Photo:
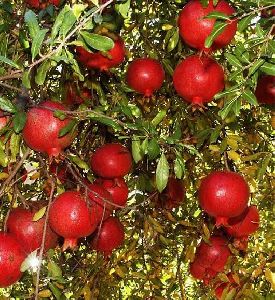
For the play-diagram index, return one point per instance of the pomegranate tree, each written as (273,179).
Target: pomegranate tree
(244,224)
(194,28)
(109,236)
(41,131)
(111,160)
(71,218)
(118,189)
(30,233)
(265,90)
(197,79)
(11,257)
(103,61)
(145,76)
(223,195)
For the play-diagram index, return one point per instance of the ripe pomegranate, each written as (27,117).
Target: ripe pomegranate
(145,76)
(221,286)
(198,79)
(11,257)
(41,4)
(30,233)
(194,28)
(99,201)
(173,195)
(118,189)
(71,218)
(60,171)
(265,90)
(223,195)
(200,272)
(111,160)
(103,61)
(42,129)
(75,94)
(4,120)
(244,224)
(109,236)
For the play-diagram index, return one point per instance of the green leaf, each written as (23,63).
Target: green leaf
(55,290)
(9,62)
(37,42)
(68,23)
(19,121)
(256,66)
(179,167)
(54,270)
(173,41)
(153,149)
(39,214)
(123,8)
(159,117)
(243,23)
(15,140)
(162,173)
(144,146)
(3,158)
(263,168)
(68,128)
(31,21)
(79,162)
(97,41)
(268,68)
(218,28)
(58,21)
(42,72)
(26,79)
(233,60)
(215,134)
(78,9)
(228,106)
(217,15)
(106,121)
(227,92)
(250,97)
(136,149)
(7,105)
(60,115)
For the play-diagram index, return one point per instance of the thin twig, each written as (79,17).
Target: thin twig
(10,87)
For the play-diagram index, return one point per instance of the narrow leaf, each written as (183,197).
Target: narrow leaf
(68,128)
(217,15)
(162,173)
(250,97)
(39,214)
(7,105)
(243,23)
(26,80)
(97,41)
(256,66)
(19,121)
(233,60)
(37,42)
(9,62)
(31,20)
(68,23)
(268,68)
(218,28)
(42,72)
(58,21)
(159,117)
(136,150)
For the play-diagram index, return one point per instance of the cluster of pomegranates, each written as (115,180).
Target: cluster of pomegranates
(224,195)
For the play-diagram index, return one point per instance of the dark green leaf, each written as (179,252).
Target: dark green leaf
(263,168)
(217,15)
(233,60)
(159,117)
(215,134)
(31,20)
(68,128)
(162,173)
(60,115)
(37,42)
(97,41)
(9,62)
(19,121)
(58,21)
(106,121)
(218,28)
(256,66)
(243,23)
(26,80)
(7,105)
(79,162)
(153,149)
(173,41)
(228,106)
(42,72)
(268,68)
(68,23)
(250,97)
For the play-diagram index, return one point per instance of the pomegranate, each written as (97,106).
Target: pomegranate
(118,189)
(4,120)
(229,285)
(223,195)
(173,195)
(198,79)
(194,28)
(41,4)
(200,272)
(102,61)
(30,233)
(145,76)
(11,257)
(100,202)
(60,171)
(244,224)
(71,218)
(109,236)
(111,160)
(42,129)
(75,94)
(265,90)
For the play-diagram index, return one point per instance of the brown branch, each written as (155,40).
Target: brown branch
(10,87)
(13,75)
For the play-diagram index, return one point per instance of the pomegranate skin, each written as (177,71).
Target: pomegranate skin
(111,59)
(109,237)
(198,79)
(194,29)
(221,286)
(118,189)
(265,90)
(60,171)
(244,224)
(41,130)
(145,76)
(4,120)
(70,217)
(42,4)
(11,257)
(223,195)
(214,255)
(29,233)
(111,161)
(75,95)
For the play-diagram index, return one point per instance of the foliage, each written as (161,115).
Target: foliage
(37,58)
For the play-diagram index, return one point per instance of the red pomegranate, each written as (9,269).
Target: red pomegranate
(71,218)
(42,3)
(99,201)
(11,257)
(4,120)
(118,189)
(60,171)
(265,90)
(244,224)
(229,285)
(145,76)
(103,61)
(109,237)
(173,195)
(194,28)
(30,233)
(200,272)
(198,79)
(111,161)
(42,129)
(76,95)
(223,195)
